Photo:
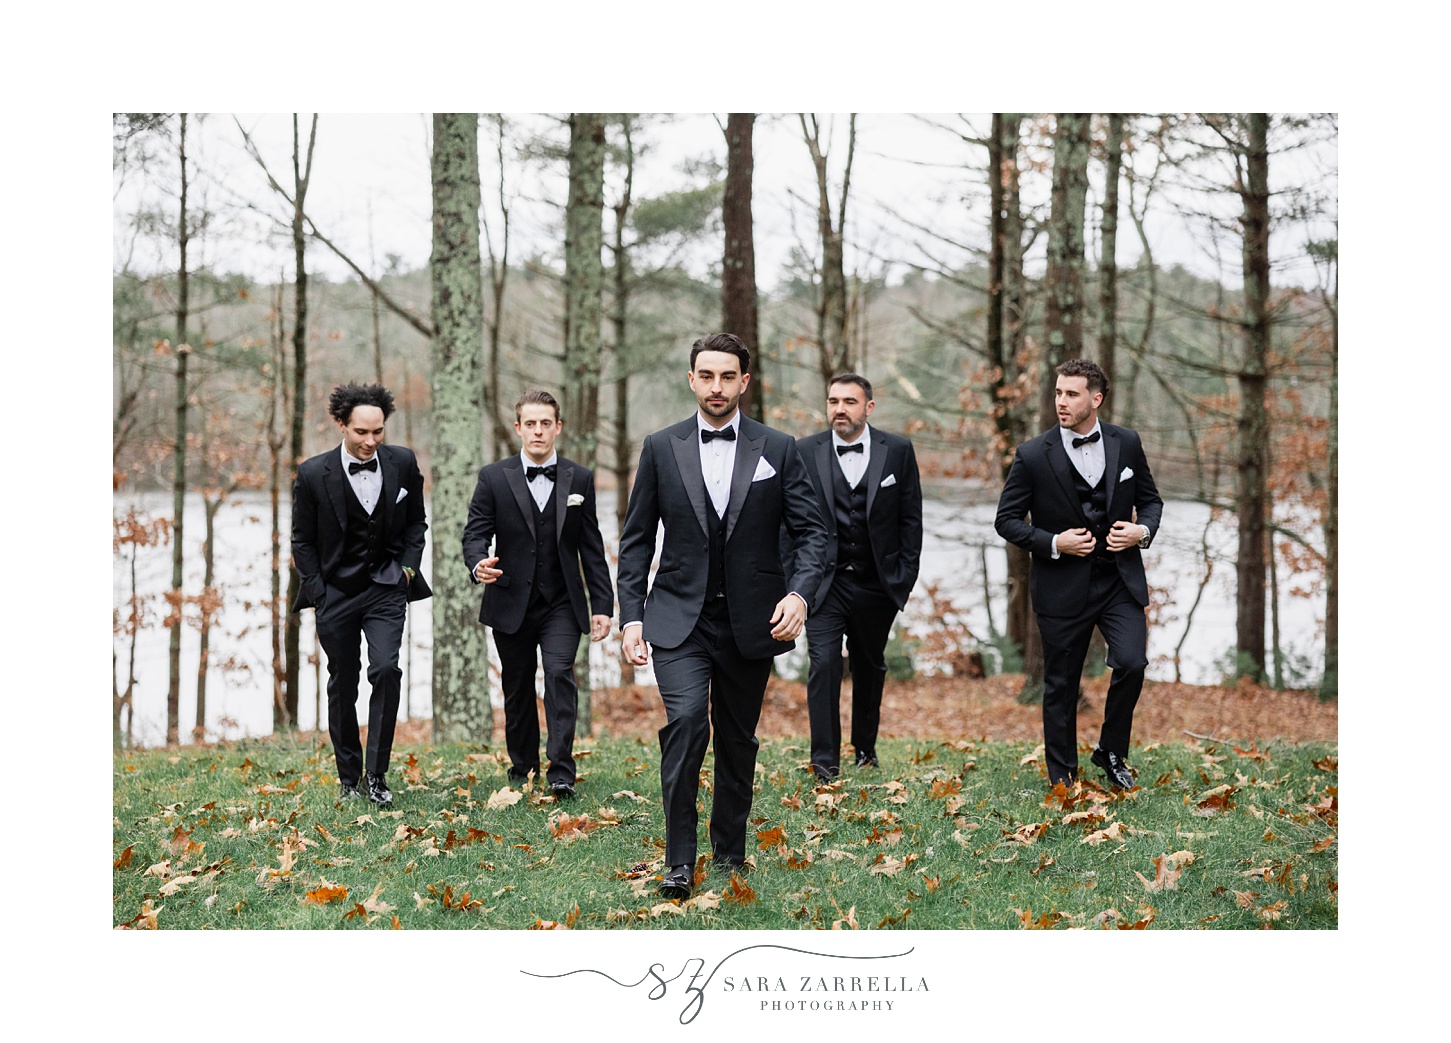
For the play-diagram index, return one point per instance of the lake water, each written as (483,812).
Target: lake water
(958,523)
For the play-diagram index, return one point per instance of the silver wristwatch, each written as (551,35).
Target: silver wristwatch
(1144,539)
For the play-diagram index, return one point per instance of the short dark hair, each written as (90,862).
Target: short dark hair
(535,397)
(726,342)
(1097,378)
(851,378)
(347,397)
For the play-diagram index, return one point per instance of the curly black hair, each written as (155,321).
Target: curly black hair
(347,397)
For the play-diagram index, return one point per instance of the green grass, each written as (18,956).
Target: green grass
(262,819)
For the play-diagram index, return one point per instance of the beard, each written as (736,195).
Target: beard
(724,408)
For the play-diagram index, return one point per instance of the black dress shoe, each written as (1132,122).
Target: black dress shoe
(677,882)
(378,791)
(562,790)
(1113,766)
(865,760)
(347,790)
(824,773)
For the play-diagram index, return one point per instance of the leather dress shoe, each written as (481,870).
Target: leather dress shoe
(378,791)
(824,773)
(1113,766)
(677,882)
(865,759)
(347,790)
(562,790)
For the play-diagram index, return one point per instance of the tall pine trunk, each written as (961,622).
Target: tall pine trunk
(1253,430)
(738,271)
(178,482)
(301,174)
(461,710)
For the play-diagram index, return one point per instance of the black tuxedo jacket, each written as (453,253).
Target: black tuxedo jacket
(503,507)
(894,511)
(1040,483)
(320,517)
(670,488)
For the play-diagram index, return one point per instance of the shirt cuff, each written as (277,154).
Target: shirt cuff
(631,623)
(1055,547)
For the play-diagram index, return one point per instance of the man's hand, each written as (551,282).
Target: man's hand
(599,627)
(485,572)
(634,647)
(789,618)
(1124,535)
(1078,542)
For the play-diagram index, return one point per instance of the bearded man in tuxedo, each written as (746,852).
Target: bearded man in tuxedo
(721,606)
(1081,500)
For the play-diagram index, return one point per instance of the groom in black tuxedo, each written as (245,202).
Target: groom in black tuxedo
(357,544)
(721,606)
(871,498)
(1093,507)
(541,509)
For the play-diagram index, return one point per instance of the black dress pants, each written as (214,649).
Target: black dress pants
(863,612)
(705,682)
(375,614)
(549,630)
(1120,618)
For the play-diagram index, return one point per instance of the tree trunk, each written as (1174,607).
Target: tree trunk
(178,483)
(498,278)
(206,613)
(301,174)
(1253,432)
(276,403)
(619,319)
(834,349)
(583,284)
(461,711)
(738,272)
(1330,681)
(1108,262)
(1063,282)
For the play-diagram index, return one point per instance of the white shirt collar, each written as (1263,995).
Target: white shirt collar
(863,440)
(524,459)
(735,422)
(1069,435)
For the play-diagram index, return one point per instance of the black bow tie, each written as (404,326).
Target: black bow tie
(354,467)
(728,433)
(842,450)
(548,471)
(1088,440)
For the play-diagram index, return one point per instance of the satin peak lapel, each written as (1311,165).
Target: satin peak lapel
(748,452)
(687,459)
(562,482)
(825,461)
(875,467)
(1058,462)
(514,475)
(335,483)
(1111,451)
(388,469)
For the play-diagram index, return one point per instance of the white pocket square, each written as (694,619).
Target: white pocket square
(401,493)
(1126,473)
(764,470)
(575,499)
(891,479)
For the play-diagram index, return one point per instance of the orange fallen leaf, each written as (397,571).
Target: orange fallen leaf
(769,838)
(124,859)
(738,892)
(325,894)
(1314,848)
(893,921)
(945,788)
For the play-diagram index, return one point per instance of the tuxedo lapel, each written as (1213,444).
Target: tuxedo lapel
(514,475)
(748,453)
(388,471)
(825,461)
(562,480)
(335,482)
(1110,459)
(875,466)
(687,459)
(1058,463)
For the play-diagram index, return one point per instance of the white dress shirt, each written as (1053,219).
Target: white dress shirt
(540,487)
(367,485)
(718,461)
(854,465)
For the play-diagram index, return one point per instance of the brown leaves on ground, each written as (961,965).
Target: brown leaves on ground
(1214,801)
(145,920)
(1166,875)
(1026,833)
(1321,845)
(568,828)
(124,859)
(769,838)
(1045,922)
(1117,831)
(325,893)
(738,892)
(459,902)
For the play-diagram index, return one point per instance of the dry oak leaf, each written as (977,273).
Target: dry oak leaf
(1166,875)
(1032,757)
(1046,922)
(847,922)
(628,794)
(419,901)
(1091,816)
(945,788)
(176,884)
(703,901)
(1113,832)
(738,892)
(124,859)
(161,869)
(671,908)
(793,801)
(887,818)
(769,838)
(1245,899)
(547,925)
(1026,833)
(504,798)
(1314,848)
(569,828)
(1107,915)
(890,838)
(374,904)
(896,792)
(145,920)
(886,865)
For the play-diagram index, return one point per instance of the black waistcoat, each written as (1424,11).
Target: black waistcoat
(853,541)
(548,571)
(1094,502)
(363,545)
(715,575)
